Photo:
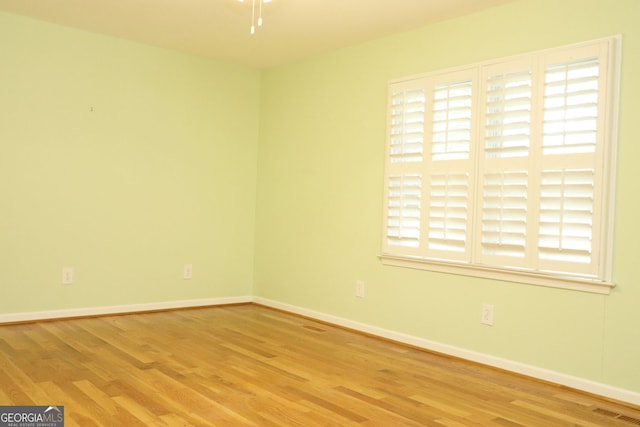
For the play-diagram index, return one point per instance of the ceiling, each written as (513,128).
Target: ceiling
(292,29)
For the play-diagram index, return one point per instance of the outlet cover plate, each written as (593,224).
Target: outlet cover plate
(67,276)
(360,288)
(187,272)
(487,314)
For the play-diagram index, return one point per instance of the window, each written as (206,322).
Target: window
(504,169)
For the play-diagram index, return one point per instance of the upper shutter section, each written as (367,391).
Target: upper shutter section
(571,107)
(508,114)
(407,125)
(451,126)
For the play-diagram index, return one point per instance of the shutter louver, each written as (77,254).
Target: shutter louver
(566,215)
(504,214)
(451,136)
(571,107)
(407,125)
(508,115)
(403,215)
(448,212)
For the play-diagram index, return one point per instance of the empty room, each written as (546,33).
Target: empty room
(286,212)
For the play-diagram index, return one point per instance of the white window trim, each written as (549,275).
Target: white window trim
(602,285)
(525,277)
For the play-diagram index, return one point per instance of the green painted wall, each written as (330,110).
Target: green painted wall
(124,162)
(320,188)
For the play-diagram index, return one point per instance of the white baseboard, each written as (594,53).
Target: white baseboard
(119,309)
(485,359)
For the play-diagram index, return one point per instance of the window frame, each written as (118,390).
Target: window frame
(604,164)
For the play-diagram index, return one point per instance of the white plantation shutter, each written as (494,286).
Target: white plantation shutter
(508,112)
(451,122)
(448,214)
(571,162)
(403,215)
(403,194)
(571,107)
(566,218)
(449,166)
(504,169)
(502,236)
(407,125)
(428,196)
(504,216)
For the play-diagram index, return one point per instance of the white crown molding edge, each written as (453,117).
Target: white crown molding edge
(559,378)
(120,309)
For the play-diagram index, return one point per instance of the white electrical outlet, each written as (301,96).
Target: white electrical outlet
(67,276)
(187,272)
(487,314)
(360,288)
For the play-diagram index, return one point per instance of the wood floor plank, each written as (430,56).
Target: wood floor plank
(248,365)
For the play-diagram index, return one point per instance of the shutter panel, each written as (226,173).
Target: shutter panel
(451,135)
(407,125)
(571,161)
(501,237)
(571,107)
(566,215)
(508,114)
(504,214)
(405,163)
(448,212)
(450,166)
(403,210)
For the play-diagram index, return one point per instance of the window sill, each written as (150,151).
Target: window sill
(583,284)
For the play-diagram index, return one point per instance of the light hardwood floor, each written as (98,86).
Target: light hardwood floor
(251,365)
